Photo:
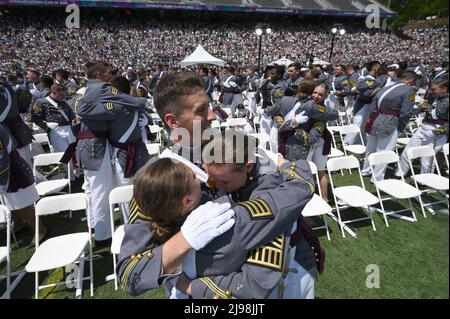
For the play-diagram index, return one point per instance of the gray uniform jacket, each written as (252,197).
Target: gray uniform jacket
(367,89)
(15,173)
(100,104)
(292,86)
(299,140)
(273,206)
(43,111)
(394,98)
(10,116)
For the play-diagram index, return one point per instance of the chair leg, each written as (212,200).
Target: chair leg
(91,271)
(340,220)
(116,286)
(369,209)
(384,211)
(36,285)
(326,226)
(412,210)
(421,206)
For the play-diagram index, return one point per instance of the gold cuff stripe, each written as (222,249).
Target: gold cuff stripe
(214,288)
(257,209)
(128,271)
(269,256)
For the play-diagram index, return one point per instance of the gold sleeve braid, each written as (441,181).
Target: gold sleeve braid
(294,175)
(136,213)
(134,260)
(269,255)
(257,209)
(218,292)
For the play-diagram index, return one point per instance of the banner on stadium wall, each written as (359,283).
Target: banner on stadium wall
(196,7)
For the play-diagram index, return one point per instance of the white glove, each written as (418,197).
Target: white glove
(143,120)
(260,111)
(301,119)
(233,85)
(206,223)
(227,85)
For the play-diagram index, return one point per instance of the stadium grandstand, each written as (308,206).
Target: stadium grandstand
(306,7)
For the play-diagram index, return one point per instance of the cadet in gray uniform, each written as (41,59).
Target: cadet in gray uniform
(251,85)
(294,79)
(299,137)
(434,128)
(10,116)
(390,112)
(261,219)
(100,104)
(55,117)
(367,87)
(340,88)
(17,189)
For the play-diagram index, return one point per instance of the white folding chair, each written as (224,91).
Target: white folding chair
(434,183)
(263,139)
(397,189)
(63,250)
(5,251)
(235,123)
(355,148)
(350,196)
(335,152)
(39,140)
(154,149)
(215,124)
(51,186)
(317,206)
(118,195)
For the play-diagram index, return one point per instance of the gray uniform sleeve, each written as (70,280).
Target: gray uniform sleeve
(140,261)
(254,281)
(406,110)
(107,104)
(273,206)
(4,160)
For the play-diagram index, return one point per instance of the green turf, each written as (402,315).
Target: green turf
(412,258)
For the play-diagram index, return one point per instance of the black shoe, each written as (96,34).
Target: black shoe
(103,243)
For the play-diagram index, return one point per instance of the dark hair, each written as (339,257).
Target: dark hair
(306,88)
(442,84)
(121,84)
(171,90)
(295,65)
(63,73)
(47,81)
(371,65)
(57,87)
(409,75)
(159,189)
(96,67)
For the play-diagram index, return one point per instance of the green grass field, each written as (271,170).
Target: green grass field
(412,258)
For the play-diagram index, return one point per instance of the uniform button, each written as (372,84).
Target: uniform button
(316,254)
(312,247)
(317,260)
(228,294)
(216,296)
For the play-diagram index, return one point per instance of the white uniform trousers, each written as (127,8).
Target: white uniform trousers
(379,143)
(60,138)
(360,119)
(98,185)
(120,180)
(423,136)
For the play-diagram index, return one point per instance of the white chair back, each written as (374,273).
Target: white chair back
(445,149)
(56,204)
(349,129)
(420,151)
(48,159)
(385,157)
(121,194)
(344,162)
(41,138)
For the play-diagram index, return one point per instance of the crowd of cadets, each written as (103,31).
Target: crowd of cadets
(100,121)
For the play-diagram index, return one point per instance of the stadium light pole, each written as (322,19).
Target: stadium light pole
(259,32)
(334,31)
